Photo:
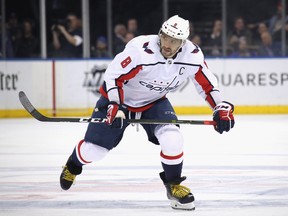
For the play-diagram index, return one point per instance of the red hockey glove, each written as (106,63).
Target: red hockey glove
(223,116)
(115,115)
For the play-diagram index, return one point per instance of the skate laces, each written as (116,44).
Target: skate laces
(67,175)
(179,191)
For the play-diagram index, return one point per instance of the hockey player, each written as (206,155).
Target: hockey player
(135,86)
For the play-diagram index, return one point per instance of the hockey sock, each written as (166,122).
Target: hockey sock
(72,167)
(75,159)
(172,171)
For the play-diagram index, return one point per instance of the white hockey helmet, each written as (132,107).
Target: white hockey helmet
(176,27)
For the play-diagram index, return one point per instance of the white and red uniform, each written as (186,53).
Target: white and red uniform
(140,75)
(139,79)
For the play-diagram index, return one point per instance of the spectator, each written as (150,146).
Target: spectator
(193,37)
(132,26)
(13,28)
(242,50)
(27,45)
(275,23)
(268,47)
(120,32)
(67,38)
(129,36)
(215,39)
(239,32)
(9,51)
(192,31)
(100,49)
(262,27)
(196,39)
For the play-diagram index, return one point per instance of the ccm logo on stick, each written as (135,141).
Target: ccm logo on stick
(92,120)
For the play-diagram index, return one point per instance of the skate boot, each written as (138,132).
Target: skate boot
(180,196)
(68,175)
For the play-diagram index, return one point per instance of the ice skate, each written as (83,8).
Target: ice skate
(68,175)
(180,196)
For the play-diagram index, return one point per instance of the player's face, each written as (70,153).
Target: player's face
(168,45)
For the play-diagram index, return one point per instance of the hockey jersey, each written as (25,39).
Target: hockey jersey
(140,75)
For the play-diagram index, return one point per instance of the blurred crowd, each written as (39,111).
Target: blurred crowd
(242,40)
(248,40)
(20,39)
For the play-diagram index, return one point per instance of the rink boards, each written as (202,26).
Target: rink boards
(70,87)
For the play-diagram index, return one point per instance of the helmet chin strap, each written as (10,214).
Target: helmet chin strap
(182,44)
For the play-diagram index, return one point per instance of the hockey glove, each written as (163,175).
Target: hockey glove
(223,116)
(115,115)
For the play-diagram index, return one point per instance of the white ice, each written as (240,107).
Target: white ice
(243,172)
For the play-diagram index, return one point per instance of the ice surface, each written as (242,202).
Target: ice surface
(243,172)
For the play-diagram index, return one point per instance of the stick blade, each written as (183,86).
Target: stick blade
(25,102)
(30,108)
(37,115)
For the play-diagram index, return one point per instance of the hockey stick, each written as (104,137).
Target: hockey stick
(40,117)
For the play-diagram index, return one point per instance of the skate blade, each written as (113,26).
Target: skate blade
(179,206)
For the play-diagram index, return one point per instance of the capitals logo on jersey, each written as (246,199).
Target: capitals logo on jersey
(146,49)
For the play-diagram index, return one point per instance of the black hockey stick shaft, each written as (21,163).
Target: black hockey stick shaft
(40,117)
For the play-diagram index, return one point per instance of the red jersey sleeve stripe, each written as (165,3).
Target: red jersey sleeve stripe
(211,100)
(203,81)
(120,81)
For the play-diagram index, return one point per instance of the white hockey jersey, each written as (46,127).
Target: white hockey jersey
(140,75)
